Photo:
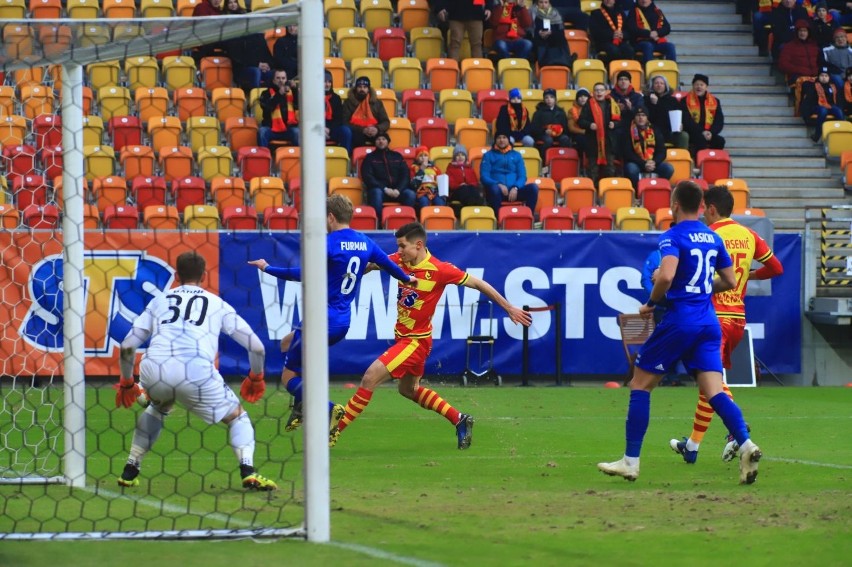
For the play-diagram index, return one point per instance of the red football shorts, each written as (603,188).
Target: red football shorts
(407,356)
(732,334)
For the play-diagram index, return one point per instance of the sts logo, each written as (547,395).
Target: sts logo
(119,284)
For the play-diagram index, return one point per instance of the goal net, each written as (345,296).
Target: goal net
(89,234)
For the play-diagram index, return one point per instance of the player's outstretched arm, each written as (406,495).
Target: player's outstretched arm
(771,268)
(291,274)
(127,390)
(516,314)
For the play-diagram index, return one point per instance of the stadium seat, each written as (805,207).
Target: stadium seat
(121,216)
(514,73)
(103,74)
(750,212)
(158,217)
(432,132)
(119,9)
(8,100)
(441,156)
(556,218)
(51,161)
(390,43)
(352,43)
(99,161)
(136,161)
(663,218)
(336,162)
(682,163)
(515,217)
(637,73)
(10,216)
(395,216)
(91,35)
(178,72)
(587,72)
(29,190)
(654,193)
(480,218)
(364,218)
(202,132)
(475,155)
(337,67)
(547,192)
(400,133)
(18,160)
(565,99)
(562,162)
(578,192)
(93,130)
(418,103)
(633,218)
(350,187)
(216,72)
(442,73)
(228,192)
(228,103)
(151,103)
(266,192)
(201,217)
(489,103)
(714,164)
(405,73)
(702,183)
(156,8)
(531,98)
(376,14)
(370,67)
(13,130)
(340,14)
(426,43)
(125,131)
(478,74)
(36,100)
(109,190)
(413,14)
(281,218)
(837,137)
(189,102)
(594,218)
(239,218)
(164,131)
(147,191)
(214,161)
(665,68)
(532,160)
(142,72)
(91,217)
(578,42)
(616,192)
(455,104)
(187,191)
(739,190)
(44,217)
(254,161)
(471,132)
(438,218)
(554,77)
(13,10)
(288,160)
(241,132)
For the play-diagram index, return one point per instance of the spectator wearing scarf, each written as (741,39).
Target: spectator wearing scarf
(510,22)
(703,118)
(578,135)
(279,103)
(364,113)
(335,129)
(625,95)
(643,151)
(648,27)
(600,118)
(784,19)
(514,118)
(609,33)
(424,179)
(819,101)
(551,47)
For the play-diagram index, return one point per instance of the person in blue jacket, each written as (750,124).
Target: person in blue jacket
(504,176)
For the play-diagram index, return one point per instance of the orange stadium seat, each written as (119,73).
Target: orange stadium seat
(442,73)
(176,162)
(136,161)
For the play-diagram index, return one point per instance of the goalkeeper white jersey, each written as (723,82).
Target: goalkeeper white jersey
(185,323)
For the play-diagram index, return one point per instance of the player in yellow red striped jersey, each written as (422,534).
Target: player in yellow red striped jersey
(743,245)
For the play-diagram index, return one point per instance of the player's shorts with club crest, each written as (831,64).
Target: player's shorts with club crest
(697,346)
(407,356)
(732,334)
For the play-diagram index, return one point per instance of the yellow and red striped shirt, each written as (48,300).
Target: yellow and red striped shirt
(743,245)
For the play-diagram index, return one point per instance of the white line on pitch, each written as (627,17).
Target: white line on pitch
(809,463)
(379,554)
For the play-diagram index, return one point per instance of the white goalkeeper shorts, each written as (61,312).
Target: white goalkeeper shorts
(196,385)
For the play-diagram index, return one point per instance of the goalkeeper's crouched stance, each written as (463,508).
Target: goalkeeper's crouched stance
(184,326)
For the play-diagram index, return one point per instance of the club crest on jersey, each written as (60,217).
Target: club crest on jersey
(118,286)
(406,296)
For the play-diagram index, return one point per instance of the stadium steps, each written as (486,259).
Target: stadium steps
(770,148)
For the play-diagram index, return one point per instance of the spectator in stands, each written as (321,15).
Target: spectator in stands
(845,94)
(249,54)
(824,25)
(578,134)
(279,103)
(551,47)
(385,175)
(285,52)
(609,34)
(464,16)
(838,58)
(510,21)
(364,113)
(550,124)
(208,8)
(799,57)
(784,18)
(625,95)
(464,186)
(514,118)
(648,27)
(703,118)
(600,118)
(659,102)
(335,129)
(504,175)
(572,12)
(761,17)
(819,101)
(424,179)
(643,150)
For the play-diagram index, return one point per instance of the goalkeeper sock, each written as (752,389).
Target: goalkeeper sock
(430,400)
(241,434)
(355,406)
(294,386)
(148,428)
(731,415)
(638,416)
(702,419)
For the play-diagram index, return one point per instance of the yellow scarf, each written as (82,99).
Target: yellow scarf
(642,22)
(643,141)
(600,133)
(507,18)
(693,105)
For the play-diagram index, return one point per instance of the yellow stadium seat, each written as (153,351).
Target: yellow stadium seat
(352,43)
(587,72)
(340,14)
(633,218)
(404,73)
(479,218)
(13,9)
(681,160)
(455,104)
(83,9)
(665,68)
(93,130)
(93,34)
(142,72)
(114,101)
(426,43)
(336,162)
(532,160)
(103,74)
(376,14)
(215,161)
(530,99)
(99,161)
(156,9)
(201,217)
(178,71)
(202,132)
(837,137)
(441,156)
(370,67)
(514,73)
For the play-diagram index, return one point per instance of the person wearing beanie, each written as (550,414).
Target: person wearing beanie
(702,117)
(514,119)
(649,29)
(799,57)
(280,105)
(609,33)
(625,95)
(464,185)
(837,57)
(424,179)
(643,150)
(386,176)
(364,113)
(578,134)
(819,101)
(551,47)
(783,20)
(335,130)
(659,102)
(510,21)
(600,118)
(824,25)
(504,175)
(550,124)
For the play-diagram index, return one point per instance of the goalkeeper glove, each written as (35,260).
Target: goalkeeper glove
(253,387)
(126,392)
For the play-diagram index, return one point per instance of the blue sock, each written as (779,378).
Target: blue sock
(294,386)
(638,416)
(330,407)
(731,415)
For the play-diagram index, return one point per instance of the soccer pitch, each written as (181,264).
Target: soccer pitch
(526,493)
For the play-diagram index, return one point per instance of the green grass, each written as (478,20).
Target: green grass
(526,493)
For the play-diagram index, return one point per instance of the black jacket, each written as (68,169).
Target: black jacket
(641,34)
(463,10)
(694,128)
(385,168)
(628,153)
(599,31)
(544,116)
(268,102)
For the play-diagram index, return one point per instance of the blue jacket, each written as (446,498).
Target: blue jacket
(508,169)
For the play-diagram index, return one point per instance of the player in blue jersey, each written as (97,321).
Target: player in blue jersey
(689,331)
(349,252)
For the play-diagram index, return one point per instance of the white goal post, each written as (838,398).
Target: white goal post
(156,36)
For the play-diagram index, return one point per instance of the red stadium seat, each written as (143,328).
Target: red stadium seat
(714,164)
(281,218)
(418,103)
(364,218)
(188,191)
(19,160)
(556,218)
(121,216)
(389,43)
(395,216)
(655,193)
(239,218)
(254,161)
(48,130)
(562,162)
(595,218)
(29,190)
(125,131)
(489,102)
(515,217)
(147,191)
(41,216)
(432,131)
(51,161)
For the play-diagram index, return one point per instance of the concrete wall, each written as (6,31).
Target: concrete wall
(826,356)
